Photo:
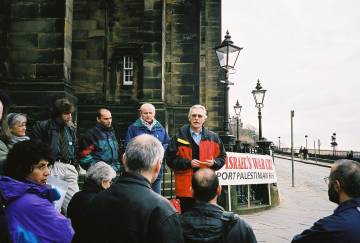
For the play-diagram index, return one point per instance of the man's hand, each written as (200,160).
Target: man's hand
(202,164)
(195,163)
(209,162)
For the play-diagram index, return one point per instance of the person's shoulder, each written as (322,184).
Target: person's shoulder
(162,204)
(211,134)
(30,202)
(3,146)
(91,132)
(341,218)
(234,220)
(44,124)
(162,208)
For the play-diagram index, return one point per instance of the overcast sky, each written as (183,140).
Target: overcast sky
(306,54)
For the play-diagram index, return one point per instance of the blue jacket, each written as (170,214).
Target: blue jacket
(30,214)
(342,226)
(158,131)
(99,144)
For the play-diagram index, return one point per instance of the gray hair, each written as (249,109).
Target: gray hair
(142,153)
(347,172)
(197,107)
(147,104)
(15,118)
(100,171)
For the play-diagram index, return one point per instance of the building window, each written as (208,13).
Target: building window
(128,70)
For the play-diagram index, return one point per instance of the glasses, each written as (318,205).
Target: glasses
(196,115)
(326,179)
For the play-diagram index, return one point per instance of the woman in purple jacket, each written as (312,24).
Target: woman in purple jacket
(29,211)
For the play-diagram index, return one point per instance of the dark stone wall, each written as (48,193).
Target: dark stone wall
(38,52)
(193,29)
(64,48)
(211,90)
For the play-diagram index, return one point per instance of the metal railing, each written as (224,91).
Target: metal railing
(324,153)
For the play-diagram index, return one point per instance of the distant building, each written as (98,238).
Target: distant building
(115,53)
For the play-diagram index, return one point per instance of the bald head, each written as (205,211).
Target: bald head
(205,184)
(142,153)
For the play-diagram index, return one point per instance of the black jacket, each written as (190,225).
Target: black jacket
(131,212)
(209,223)
(77,210)
(48,132)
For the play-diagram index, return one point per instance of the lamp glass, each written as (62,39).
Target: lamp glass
(259,96)
(227,55)
(237,108)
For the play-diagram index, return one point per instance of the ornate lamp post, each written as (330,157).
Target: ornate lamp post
(306,141)
(333,143)
(227,54)
(259,95)
(237,109)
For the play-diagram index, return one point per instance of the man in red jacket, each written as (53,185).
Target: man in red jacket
(193,147)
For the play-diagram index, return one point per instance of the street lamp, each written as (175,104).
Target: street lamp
(227,54)
(306,141)
(333,143)
(237,109)
(259,95)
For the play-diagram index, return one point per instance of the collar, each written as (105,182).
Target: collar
(148,125)
(134,177)
(208,207)
(195,133)
(352,203)
(103,128)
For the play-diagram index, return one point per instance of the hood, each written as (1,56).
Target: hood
(13,189)
(203,224)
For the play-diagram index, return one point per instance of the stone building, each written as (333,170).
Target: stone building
(113,53)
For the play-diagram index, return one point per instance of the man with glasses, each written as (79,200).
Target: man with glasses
(344,224)
(193,147)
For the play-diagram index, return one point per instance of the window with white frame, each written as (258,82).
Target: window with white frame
(128,70)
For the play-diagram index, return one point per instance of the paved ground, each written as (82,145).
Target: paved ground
(300,206)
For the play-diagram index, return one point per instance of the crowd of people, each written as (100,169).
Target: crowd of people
(120,200)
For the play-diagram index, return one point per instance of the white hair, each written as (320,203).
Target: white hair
(15,118)
(197,107)
(142,153)
(100,171)
(147,105)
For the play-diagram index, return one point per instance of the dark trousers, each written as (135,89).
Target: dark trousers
(186,203)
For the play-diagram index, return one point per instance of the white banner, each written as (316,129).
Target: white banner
(245,169)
